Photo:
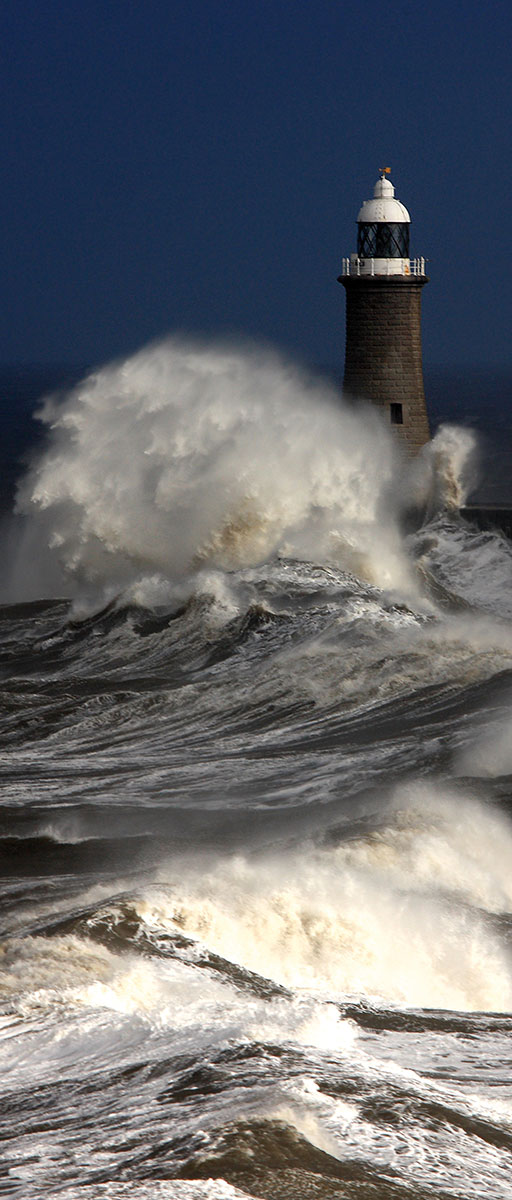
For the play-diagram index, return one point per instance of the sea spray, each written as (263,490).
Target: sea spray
(189,455)
(441,476)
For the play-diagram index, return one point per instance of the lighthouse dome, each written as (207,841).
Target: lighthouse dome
(383,207)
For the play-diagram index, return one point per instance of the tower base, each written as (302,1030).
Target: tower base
(383,361)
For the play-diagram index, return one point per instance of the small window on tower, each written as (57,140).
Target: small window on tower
(396,414)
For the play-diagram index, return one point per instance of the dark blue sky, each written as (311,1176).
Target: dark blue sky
(198,166)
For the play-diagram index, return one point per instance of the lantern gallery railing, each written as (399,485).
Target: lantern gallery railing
(385,266)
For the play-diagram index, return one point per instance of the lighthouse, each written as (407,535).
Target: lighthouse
(383,361)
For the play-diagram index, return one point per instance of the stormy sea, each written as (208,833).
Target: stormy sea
(256,795)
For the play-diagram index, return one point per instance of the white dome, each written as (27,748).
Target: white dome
(383,207)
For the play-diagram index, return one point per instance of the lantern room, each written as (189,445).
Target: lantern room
(383,226)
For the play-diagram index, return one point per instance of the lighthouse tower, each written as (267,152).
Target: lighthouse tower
(383,344)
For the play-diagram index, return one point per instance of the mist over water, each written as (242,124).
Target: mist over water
(256,821)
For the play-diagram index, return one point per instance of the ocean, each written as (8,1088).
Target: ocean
(256,784)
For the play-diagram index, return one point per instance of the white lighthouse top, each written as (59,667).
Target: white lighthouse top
(383,207)
(383,236)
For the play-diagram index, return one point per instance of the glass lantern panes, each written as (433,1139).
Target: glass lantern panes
(382,240)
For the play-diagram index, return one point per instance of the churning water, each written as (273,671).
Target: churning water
(256,823)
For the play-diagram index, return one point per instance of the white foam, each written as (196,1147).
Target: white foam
(68,999)
(155,1189)
(394,915)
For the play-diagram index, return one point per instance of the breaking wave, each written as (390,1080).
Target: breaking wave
(187,456)
(257,833)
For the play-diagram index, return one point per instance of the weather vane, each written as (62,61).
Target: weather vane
(385,170)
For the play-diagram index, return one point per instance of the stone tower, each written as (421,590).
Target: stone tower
(383,345)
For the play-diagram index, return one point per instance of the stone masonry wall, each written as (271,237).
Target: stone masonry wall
(383,360)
